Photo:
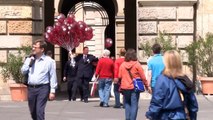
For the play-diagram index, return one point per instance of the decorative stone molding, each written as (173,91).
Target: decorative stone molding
(177,27)
(15,12)
(147,27)
(157,13)
(167,2)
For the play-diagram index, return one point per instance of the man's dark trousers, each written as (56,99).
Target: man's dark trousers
(85,86)
(37,99)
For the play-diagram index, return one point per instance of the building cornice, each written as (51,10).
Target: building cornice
(166,2)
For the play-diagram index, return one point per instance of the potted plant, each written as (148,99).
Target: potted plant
(11,71)
(200,55)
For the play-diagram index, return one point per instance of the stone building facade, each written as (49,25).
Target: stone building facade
(23,21)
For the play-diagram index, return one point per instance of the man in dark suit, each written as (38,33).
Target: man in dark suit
(85,71)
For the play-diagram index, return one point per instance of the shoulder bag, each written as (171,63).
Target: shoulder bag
(138,83)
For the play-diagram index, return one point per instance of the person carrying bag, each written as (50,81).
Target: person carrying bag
(138,83)
(131,97)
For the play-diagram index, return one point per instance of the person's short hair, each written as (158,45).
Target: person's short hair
(49,53)
(122,52)
(173,64)
(106,52)
(156,48)
(85,47)
(42,42)
(131,55)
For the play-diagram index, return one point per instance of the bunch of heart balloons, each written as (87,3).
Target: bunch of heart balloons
(67,32)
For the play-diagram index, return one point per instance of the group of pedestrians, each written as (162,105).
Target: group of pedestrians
(172,91)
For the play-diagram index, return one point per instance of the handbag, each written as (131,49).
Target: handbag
(94,86)
(138,83)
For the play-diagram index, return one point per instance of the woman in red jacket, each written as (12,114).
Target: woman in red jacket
(105,72)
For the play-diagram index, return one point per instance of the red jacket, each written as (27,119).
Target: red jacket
(105,68)
(117,65)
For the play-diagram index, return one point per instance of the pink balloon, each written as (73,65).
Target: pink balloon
(108,42)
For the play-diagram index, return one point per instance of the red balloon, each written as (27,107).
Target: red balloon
(60,18)
(108,42)
(88,36)
(67,32)
(49,29)
(81,25)
(70,15)
(48,37)
(64,29)
(88,30)
(81,40)
(72,27)
(68,21)
(76,44)
(57,26)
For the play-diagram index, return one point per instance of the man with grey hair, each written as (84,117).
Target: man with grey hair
(104,71)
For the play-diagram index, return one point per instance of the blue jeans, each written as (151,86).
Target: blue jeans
(104,88)
(131,104)
(117,95)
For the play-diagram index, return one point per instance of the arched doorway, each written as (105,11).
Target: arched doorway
(100,15)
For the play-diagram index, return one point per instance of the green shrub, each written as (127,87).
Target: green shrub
(200,54)
(14,63)
(165,40)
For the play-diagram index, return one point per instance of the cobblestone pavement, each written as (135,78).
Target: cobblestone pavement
(62,109)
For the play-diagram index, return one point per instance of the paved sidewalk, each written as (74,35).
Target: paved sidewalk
(64,110)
